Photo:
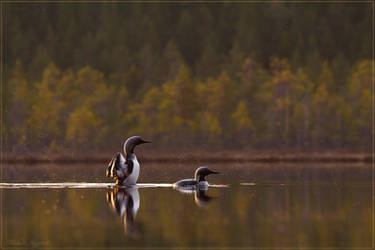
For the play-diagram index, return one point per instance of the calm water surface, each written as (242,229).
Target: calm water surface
(279,205)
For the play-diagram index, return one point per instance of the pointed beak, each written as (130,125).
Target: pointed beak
(145,141)
(214,172)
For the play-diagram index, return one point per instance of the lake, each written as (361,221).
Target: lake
(265,206)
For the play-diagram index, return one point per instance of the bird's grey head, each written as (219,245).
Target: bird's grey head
(131,142)
(202,172)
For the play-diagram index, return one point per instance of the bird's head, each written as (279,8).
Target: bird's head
(202,172)
(131,142)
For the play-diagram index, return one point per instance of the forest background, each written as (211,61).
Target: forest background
(81,77)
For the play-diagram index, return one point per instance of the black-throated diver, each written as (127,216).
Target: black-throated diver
(198,183)
(125,170)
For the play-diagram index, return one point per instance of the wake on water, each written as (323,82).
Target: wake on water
(85,185)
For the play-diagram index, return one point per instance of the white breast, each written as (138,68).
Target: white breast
(133,177)
(202,185)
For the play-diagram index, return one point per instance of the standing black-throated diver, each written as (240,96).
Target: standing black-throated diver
(198,183)
(125,170)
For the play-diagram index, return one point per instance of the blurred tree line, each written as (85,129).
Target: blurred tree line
(84,76)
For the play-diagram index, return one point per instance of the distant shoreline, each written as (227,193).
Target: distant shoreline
(227,156)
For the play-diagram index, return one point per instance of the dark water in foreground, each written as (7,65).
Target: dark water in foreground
(290,205)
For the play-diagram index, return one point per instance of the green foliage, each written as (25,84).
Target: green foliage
(360,100)
(268,75)
(144,115)
(242,123)
(82,125)
(19,100)
(281,107)
(45,120)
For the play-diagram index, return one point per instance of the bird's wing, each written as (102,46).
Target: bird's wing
(111,167)
(190,183)
(128,167)
(115,166)
(121,159)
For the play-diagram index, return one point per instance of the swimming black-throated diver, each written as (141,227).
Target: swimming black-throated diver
(125,170)
(198,183)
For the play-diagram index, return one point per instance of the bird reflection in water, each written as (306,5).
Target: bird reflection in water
(200,196)
(125,202)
